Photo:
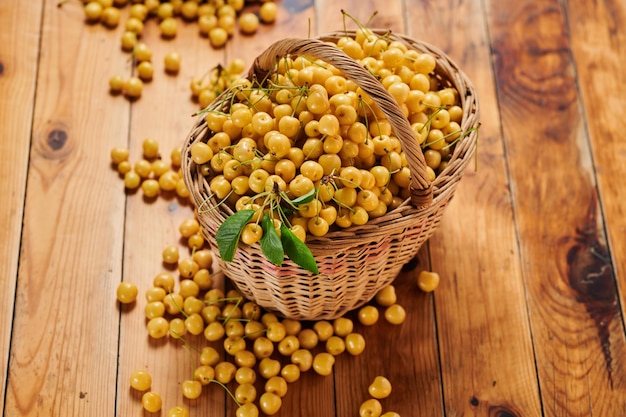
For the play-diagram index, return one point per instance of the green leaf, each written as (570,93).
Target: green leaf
(303,199)
(228,233)
(286,211)
(297,250)
(270,242)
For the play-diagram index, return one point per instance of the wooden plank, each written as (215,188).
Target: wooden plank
(163,113)
(373,13)
(599,56)
(578,331)
(411,362)
(64,342)
(498,377)
(18,74)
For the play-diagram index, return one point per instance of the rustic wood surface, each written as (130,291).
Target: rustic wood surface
(529,317)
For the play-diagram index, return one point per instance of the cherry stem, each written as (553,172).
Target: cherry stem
(230,313)
(219,300)
(188,348)
(176,304)
(227,390)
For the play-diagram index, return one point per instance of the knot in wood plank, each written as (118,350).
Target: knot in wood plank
(537,70)
(57,139)
(500,411)
(53,142)
(591,277)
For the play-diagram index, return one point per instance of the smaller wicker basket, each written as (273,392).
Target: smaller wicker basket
(354,263)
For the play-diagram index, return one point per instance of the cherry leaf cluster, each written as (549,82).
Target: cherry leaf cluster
(273,245)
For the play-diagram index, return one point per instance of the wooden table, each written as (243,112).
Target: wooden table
(528,319)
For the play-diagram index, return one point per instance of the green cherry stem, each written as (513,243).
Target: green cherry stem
(215,381)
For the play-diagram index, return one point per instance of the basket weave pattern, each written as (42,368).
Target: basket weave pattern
(354,263)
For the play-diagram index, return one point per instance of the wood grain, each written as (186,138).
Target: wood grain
(599,55)
(471,297)
(577,328)
(18,74)
(63,356)
(163,113)
(369,12)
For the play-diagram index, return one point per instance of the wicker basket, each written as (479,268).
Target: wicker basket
(354,263)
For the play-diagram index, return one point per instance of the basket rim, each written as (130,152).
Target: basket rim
(443,184)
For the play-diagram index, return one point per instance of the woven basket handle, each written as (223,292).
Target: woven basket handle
(421,189)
